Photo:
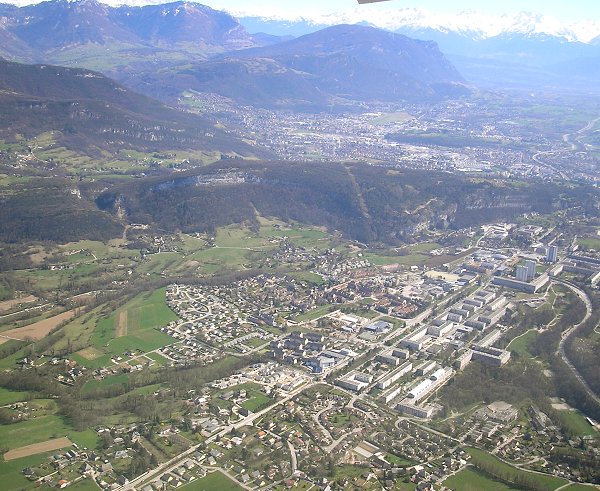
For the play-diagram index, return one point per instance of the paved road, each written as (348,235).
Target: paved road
(571,331)
(294,457)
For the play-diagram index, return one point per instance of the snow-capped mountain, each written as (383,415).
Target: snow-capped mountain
(472,24)
(522,50)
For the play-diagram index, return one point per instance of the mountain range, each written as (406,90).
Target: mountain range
(521,50)
(94,35)
(163,50)
(310,63)
(334,66)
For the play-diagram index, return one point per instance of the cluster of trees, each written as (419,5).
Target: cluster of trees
(518,381)
(582,459)
(573,311)
(47,210)
(583,347)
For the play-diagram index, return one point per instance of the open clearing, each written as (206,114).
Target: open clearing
(469,478)
(10,304)
(90,353)
(47,446)
(215,481)
(39,329)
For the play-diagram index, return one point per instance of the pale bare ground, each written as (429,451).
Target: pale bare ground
(83,297)
(40,329)
(121,325)
(4,340)
(90,353)
(9,304)
(47,446)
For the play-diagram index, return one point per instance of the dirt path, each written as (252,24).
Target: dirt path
(40,329)
(47,446)
(121,325)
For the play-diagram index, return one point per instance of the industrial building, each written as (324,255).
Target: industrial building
(441,330)
(420,390)
(490,338)
(522,274)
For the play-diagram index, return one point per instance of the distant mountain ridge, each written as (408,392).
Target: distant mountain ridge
(52,31)
(521,51)
(472,24)
(330,67)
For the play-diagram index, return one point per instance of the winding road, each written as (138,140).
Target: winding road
(569,332)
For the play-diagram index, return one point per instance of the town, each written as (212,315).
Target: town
(349,373)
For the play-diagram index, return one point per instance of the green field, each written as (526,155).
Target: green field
(256,398)
(215,481)
(413,259)
(577,423)
(548,482)
(144,314)
(256,401)
(93,384)
(589,243)
(9,396)
(308,277)
(219,259)
(84,485)
(470,479)
(43,428)
(520,345)
(160,360)
(316,313)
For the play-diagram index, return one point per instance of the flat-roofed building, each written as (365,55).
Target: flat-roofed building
(355,381)
(423,412)
(387,380)
(491,356)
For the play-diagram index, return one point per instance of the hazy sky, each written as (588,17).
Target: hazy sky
(573,10)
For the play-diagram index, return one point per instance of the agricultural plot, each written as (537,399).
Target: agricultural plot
(40,329)
(41,429)
(133,327)
(36,448)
